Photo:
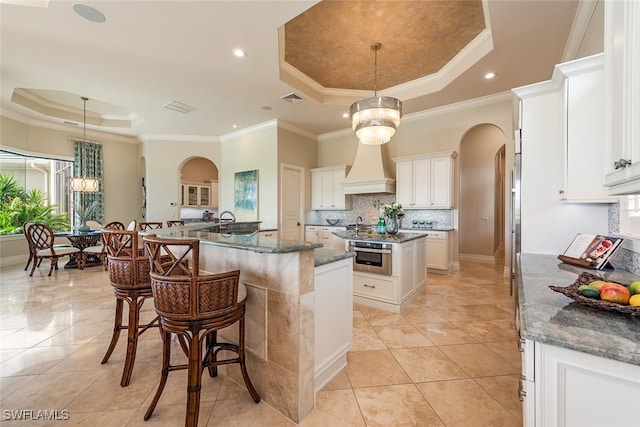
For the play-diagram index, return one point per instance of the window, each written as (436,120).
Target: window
(36,176)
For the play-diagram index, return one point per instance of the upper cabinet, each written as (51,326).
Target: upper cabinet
(196,195)
(582,143)
(563,118)
(622,77)
(425,182)
(327,192)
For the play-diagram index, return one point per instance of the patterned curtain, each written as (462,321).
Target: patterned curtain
(88,163)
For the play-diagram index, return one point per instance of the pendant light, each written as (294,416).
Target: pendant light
(375,119)
(84,184)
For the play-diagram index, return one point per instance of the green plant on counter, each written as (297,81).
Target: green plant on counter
(18,205)
(394,209)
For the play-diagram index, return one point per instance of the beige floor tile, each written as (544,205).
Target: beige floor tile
(396,405)
(36,360)
(490,312)
(9,385)
(244,412)
(457,313)
(486,331)
(507,350)
(50,391)
(335,408)
(463,403)
(478,361)
(444,333)
(359,320)
(170,416)
(365,339)
(105,392)
(102,419)
(505,390)
(377,317)
(175,391)
(401,336)
(427,364)
(421,314)
(373,368)
(339,382)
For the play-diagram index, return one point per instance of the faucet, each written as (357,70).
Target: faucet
(358,221)
(232,219)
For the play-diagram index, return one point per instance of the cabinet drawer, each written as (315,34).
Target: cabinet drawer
(373,287)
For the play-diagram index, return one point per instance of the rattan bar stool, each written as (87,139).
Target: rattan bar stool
(175,222)
(129,276)
(149,225)
(194,306)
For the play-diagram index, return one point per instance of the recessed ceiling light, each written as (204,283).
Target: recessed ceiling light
(235,126)
(89,13)
(239,53)
(345,115)
(489,75)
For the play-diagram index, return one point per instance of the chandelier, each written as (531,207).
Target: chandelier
(375,119)
(84,184)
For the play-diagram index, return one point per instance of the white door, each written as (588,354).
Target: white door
(292,191)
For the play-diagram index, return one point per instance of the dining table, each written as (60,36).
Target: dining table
(81,240)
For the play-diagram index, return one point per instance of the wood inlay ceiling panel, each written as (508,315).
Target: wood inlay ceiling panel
(330,42)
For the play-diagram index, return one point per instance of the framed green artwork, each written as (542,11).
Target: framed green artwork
(245,195)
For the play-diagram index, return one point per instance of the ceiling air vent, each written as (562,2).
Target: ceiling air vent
(292,98)
(179,107)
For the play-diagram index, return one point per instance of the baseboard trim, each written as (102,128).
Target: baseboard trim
(485,259)
(13,260)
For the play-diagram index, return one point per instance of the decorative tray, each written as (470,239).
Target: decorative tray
(585,278)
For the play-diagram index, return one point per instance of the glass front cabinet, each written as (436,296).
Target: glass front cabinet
(196,195)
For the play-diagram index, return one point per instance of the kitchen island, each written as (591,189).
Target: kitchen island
(579,363)
(404,276)
(284,301)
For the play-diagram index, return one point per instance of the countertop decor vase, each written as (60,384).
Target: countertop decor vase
(84,228)
(391,221)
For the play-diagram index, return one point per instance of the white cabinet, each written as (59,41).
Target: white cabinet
(569,388)
(622,104)
(333,319)
(394,292)
(326,188)
(197,195)
(582,148)
(268,233)
(425,182)
(324,235)
(439,251)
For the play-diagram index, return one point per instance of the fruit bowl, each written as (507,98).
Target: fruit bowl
(571,291)
(332,221)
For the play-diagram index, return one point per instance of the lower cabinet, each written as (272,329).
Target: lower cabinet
(439,251)
(324,235)
(568,388)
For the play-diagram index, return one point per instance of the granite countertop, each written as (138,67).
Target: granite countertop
(326,256)
(550,317)
(399,237)
(250,242)
(427,229)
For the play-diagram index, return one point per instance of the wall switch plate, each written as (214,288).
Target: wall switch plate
(484,216)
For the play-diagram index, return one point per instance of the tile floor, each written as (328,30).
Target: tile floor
(450,359)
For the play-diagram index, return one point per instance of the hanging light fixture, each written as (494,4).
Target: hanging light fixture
(376,119)
(84,184)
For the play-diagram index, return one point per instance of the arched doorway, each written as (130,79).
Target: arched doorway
(482,203)
(198,190)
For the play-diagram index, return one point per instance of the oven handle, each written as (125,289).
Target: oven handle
(370,250)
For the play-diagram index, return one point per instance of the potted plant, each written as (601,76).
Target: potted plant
(84,214)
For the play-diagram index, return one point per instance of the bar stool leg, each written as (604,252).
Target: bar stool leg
(132,339)
(243,367)
(116,331)
(195,380)
(166,360)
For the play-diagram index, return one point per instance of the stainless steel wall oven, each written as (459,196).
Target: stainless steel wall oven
(372,257)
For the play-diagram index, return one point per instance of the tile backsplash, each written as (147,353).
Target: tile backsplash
(624,259)
(363,206)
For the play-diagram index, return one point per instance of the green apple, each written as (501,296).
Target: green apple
(634,287)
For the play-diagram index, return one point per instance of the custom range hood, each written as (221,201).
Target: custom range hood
(368,175)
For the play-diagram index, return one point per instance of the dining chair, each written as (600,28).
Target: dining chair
(194,306)
(42,239)
(133,225)
(129,276)
(100,249)
(176,223)
(94,225)
(149,225)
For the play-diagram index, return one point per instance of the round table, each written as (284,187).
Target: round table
(81,240)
